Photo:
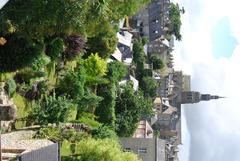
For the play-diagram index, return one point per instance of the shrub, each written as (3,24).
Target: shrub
(39,63)
(11,87)
(50,133)
(51,109)
(18,53)
(75,45)
(100,150)
(104,132)
(55,48)
(105,111)
(157,63)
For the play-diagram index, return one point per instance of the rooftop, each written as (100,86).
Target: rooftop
(20,142)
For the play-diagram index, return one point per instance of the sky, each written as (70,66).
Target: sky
(210,53)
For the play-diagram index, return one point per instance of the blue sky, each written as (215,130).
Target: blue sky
(223,41)
(210,53)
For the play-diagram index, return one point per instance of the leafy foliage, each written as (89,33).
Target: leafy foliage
(116,71)
(95,66)
(75,45)
(149,86)
(11,87)
(61,134)
(42,18)
(51,110)
(175,18)
(88,119)
(104,132)
(130,107)
(157,63)
(39,63)
(18,53)
(105,111)
(50,133)
(55,48)
(100,150)
(103,43)
(72,84)
(126,7)
(139,58)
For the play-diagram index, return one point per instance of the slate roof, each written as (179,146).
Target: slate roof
(2,3)
(157,11)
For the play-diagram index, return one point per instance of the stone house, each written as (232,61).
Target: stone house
(148,149)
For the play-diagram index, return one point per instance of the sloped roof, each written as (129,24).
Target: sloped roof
(125,38)
(2,3)
(135,83)
(121,23)
(165,42)
(130,78)
(117,55)
(170,110)
(157,100)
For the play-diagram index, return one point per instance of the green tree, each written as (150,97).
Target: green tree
(104,132)
(103,43)
(130,107)
(100,150)
(105,111)
(139,58)
(157,63)
(45,18)
(175,18)
(74,86)
(95,66)
(18,53)
(116,71)
(52,109)
(121,8)
(149,86)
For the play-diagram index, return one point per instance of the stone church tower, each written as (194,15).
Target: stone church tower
(190,97)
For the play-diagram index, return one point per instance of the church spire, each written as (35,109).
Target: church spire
(190,97)
(207,97)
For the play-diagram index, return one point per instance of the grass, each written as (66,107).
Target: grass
(22,109)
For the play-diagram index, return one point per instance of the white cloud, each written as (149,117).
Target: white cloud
(214,128)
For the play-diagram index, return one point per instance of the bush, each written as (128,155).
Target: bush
(39,63)
(116,71)
(50,133)
(51,110)
(55,48)
(157,63)
(104,43)
(61,134)
(149,86)
(100,150)
(11,87)
(18,53)
(75,45)
(130,107)
(88,119)
(105,111)
(104,132)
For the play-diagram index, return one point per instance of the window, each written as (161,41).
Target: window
(142,150)
(127,149)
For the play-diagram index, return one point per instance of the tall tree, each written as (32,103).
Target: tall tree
(175,18)
(100,150)
(130,107)
(149,86)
